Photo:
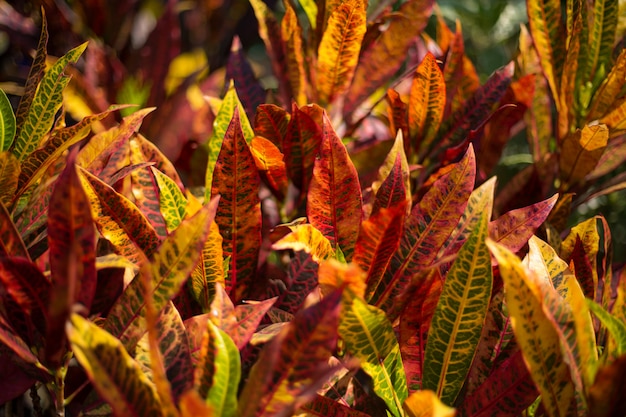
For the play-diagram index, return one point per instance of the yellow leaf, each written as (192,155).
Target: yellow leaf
(333,275)
(292,36)
(426,404)
(581,151)
(307,238)
(339,49)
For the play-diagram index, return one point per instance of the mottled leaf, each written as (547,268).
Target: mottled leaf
(339,49)
(295,363)
(456,326)
(306,238)
(270,161)
(72,242)
(172,202)
(606,95)
(535,334)
(291,33)
(334,275)
(11,244)
(210,270)
(302,279)
(514,228)
(238,216)
(271,123)
(240,71)
(9,174)
(118,220)
(115,374)
(7,122)
(46,102)
(247,318)
(334,203)
(394,185)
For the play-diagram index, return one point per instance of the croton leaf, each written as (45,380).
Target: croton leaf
(46,102)
(7,122)
(305,237)
(605,396)
(218,371)
(535,334)
(172,201)
(339,49)
(427,101)
(581,151)
(245,320)
(334,275)
(426,404)
(609,90)
(210,270)
(271,123)
(270,161)
(616,328)
(334,203)
(295,362)
(456,326)
(9,174)
(240,71)
(368,336)
(236,180)
(325,406)
(427,228)
(302,279)
(170,267)
(15,381)
(72,242)
(602,37)
(10,338)
(11,243)
(114,373)
(394,187)
(118,220)
(291,33)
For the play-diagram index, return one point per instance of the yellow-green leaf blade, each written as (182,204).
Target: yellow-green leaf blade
(47,101)
(339,49)
(456,326)
(172,202)
(115,374)
(535,334)
(7,122)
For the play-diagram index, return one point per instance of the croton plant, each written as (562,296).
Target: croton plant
(347,251)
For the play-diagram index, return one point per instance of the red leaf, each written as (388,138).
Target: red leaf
(271,123)
(14,381)
(238,216)
(427,229)
(72,242)
(513,229)
(334,203)
(11,243)
(248,88)
(583,269)
(302,279)
(247,318)
(392,192)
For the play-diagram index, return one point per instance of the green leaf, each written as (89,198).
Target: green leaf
(218,371)
(456,326)
(7,122)
(602,35)
(47,101)
(172,201)
(369,336)
(616,327)
(114,373)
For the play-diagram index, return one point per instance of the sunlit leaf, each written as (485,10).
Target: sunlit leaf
(72,242)
(115,374)
(334,275)
(426,404)
(334,203)
(535,334)
(172,201)
(245,320)
(291,33)
(306,238)
(617,328)
(394,185)
(581,151)
(9,174)
(339,49)
(601,36)
(609,90)
(218,372)
(238,216)
(368,336)
(270,161)
(456,326)
(46,102)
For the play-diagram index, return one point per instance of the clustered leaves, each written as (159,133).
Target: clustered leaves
(373,272)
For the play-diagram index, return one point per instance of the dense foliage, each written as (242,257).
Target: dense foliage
(335,245)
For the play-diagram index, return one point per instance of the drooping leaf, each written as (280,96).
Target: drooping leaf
(426,404)
(514,228)
(11,244)
(544,18)
(72,242)
(7,122)
(426,229)
(218,372)
(427,101)
(295,363)
(118,220)
(382,58)
(368,336)
(535,333)
(170,267)
(9,174)
(339,49)
(334,203)
(46,102)
(456,326)
(115,374)
(581,151)
(238,216)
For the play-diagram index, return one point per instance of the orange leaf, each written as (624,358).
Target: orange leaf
(581,151)
(334,203)
(333,275)
(269,159)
